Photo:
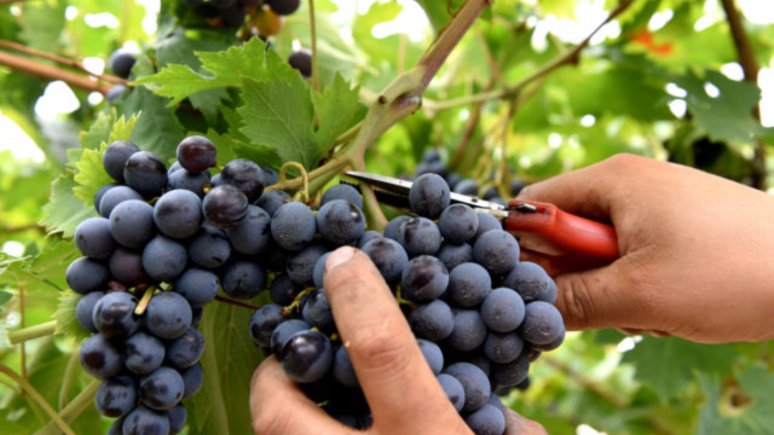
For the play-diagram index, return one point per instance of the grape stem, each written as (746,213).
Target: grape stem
(234,302)
(139,310)
(80,403)
(313,30)
(32,332)
(35,395)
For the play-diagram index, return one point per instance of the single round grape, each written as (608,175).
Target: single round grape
(146,174)
(433,321)
(185,351)
(144,353)
(164,259)
(531,282)
(100,358)
(198,286)
(345,192)
(300,267)
(343,371)
(367,237)
(263,322)
(453,389)
(419,236)
(243,279)
(300,60)
(177,418)
(393,226)
(193,377)
(434,167)
(225,206)
(115,92)
(178,213)
(424,279)
(115,157)
(503,310)
(168,315)
(452,178)
(272,200)
(196,154)
(469,330)
(93,239)
(317,311)
(319,270)
(497,251)
(307,356)
(543,323)
(245,175)
(469,284)
(114,196)
(511,374)
(503,348)
(467,186)
(116,397)
(85,275)
(209,249)
(454,255)
(486,223)
(84,309)
(516,186)
(126,267)
(113,315)
(270,176)
(458,223)
(253,234)
(117,428)
(487,420)
(284,7)
(293,226)
(429,195)
(182,179)
(474,382)
(145,421)
(283,332)
(432,353)
(389,257)
(121,63)
(283,290)
(162,389)
(131,223)
(340,222)
(548,346)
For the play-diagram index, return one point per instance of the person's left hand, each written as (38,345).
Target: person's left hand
(402,392)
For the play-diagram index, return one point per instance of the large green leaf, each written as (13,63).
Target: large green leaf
(44,22)
(743,408)
(338,108)
(64,210)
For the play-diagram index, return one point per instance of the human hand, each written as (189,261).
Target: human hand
(402,392)
(696,251)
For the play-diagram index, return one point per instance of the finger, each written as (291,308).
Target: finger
(518,425)
(397,381)
(603,297)
(278,406)
(591,191)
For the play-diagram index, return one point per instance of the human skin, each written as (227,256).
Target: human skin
(696,251)
(402,392)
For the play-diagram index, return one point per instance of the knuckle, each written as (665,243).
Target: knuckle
(625,162)
(268,422)
(575,302)
(376,348)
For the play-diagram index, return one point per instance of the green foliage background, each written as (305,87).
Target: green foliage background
(193,78)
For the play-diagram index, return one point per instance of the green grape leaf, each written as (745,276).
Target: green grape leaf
(157,129)
(122,128)
(66,322)
(64,210)
(440,12)
(99,131)
(90,175)
(44,22)
(727,116)
(338,108)
(667,364)
(725,413)
(230,357)
(279,114)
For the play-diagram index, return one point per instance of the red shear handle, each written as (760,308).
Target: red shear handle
(566,232)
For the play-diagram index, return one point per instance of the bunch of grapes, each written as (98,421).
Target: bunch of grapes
(433,163)
(479,315)
(152,260)
(232,13)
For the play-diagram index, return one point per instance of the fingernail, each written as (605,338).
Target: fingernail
(338,257)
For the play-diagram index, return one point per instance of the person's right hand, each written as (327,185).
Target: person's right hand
(697,251)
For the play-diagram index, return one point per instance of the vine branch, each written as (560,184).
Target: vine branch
(51,73)
(61,60)
(750,68)
(40,400)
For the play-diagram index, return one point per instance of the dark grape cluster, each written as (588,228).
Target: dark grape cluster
(433,163)
(232,13)
(166,241)
(480,315)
